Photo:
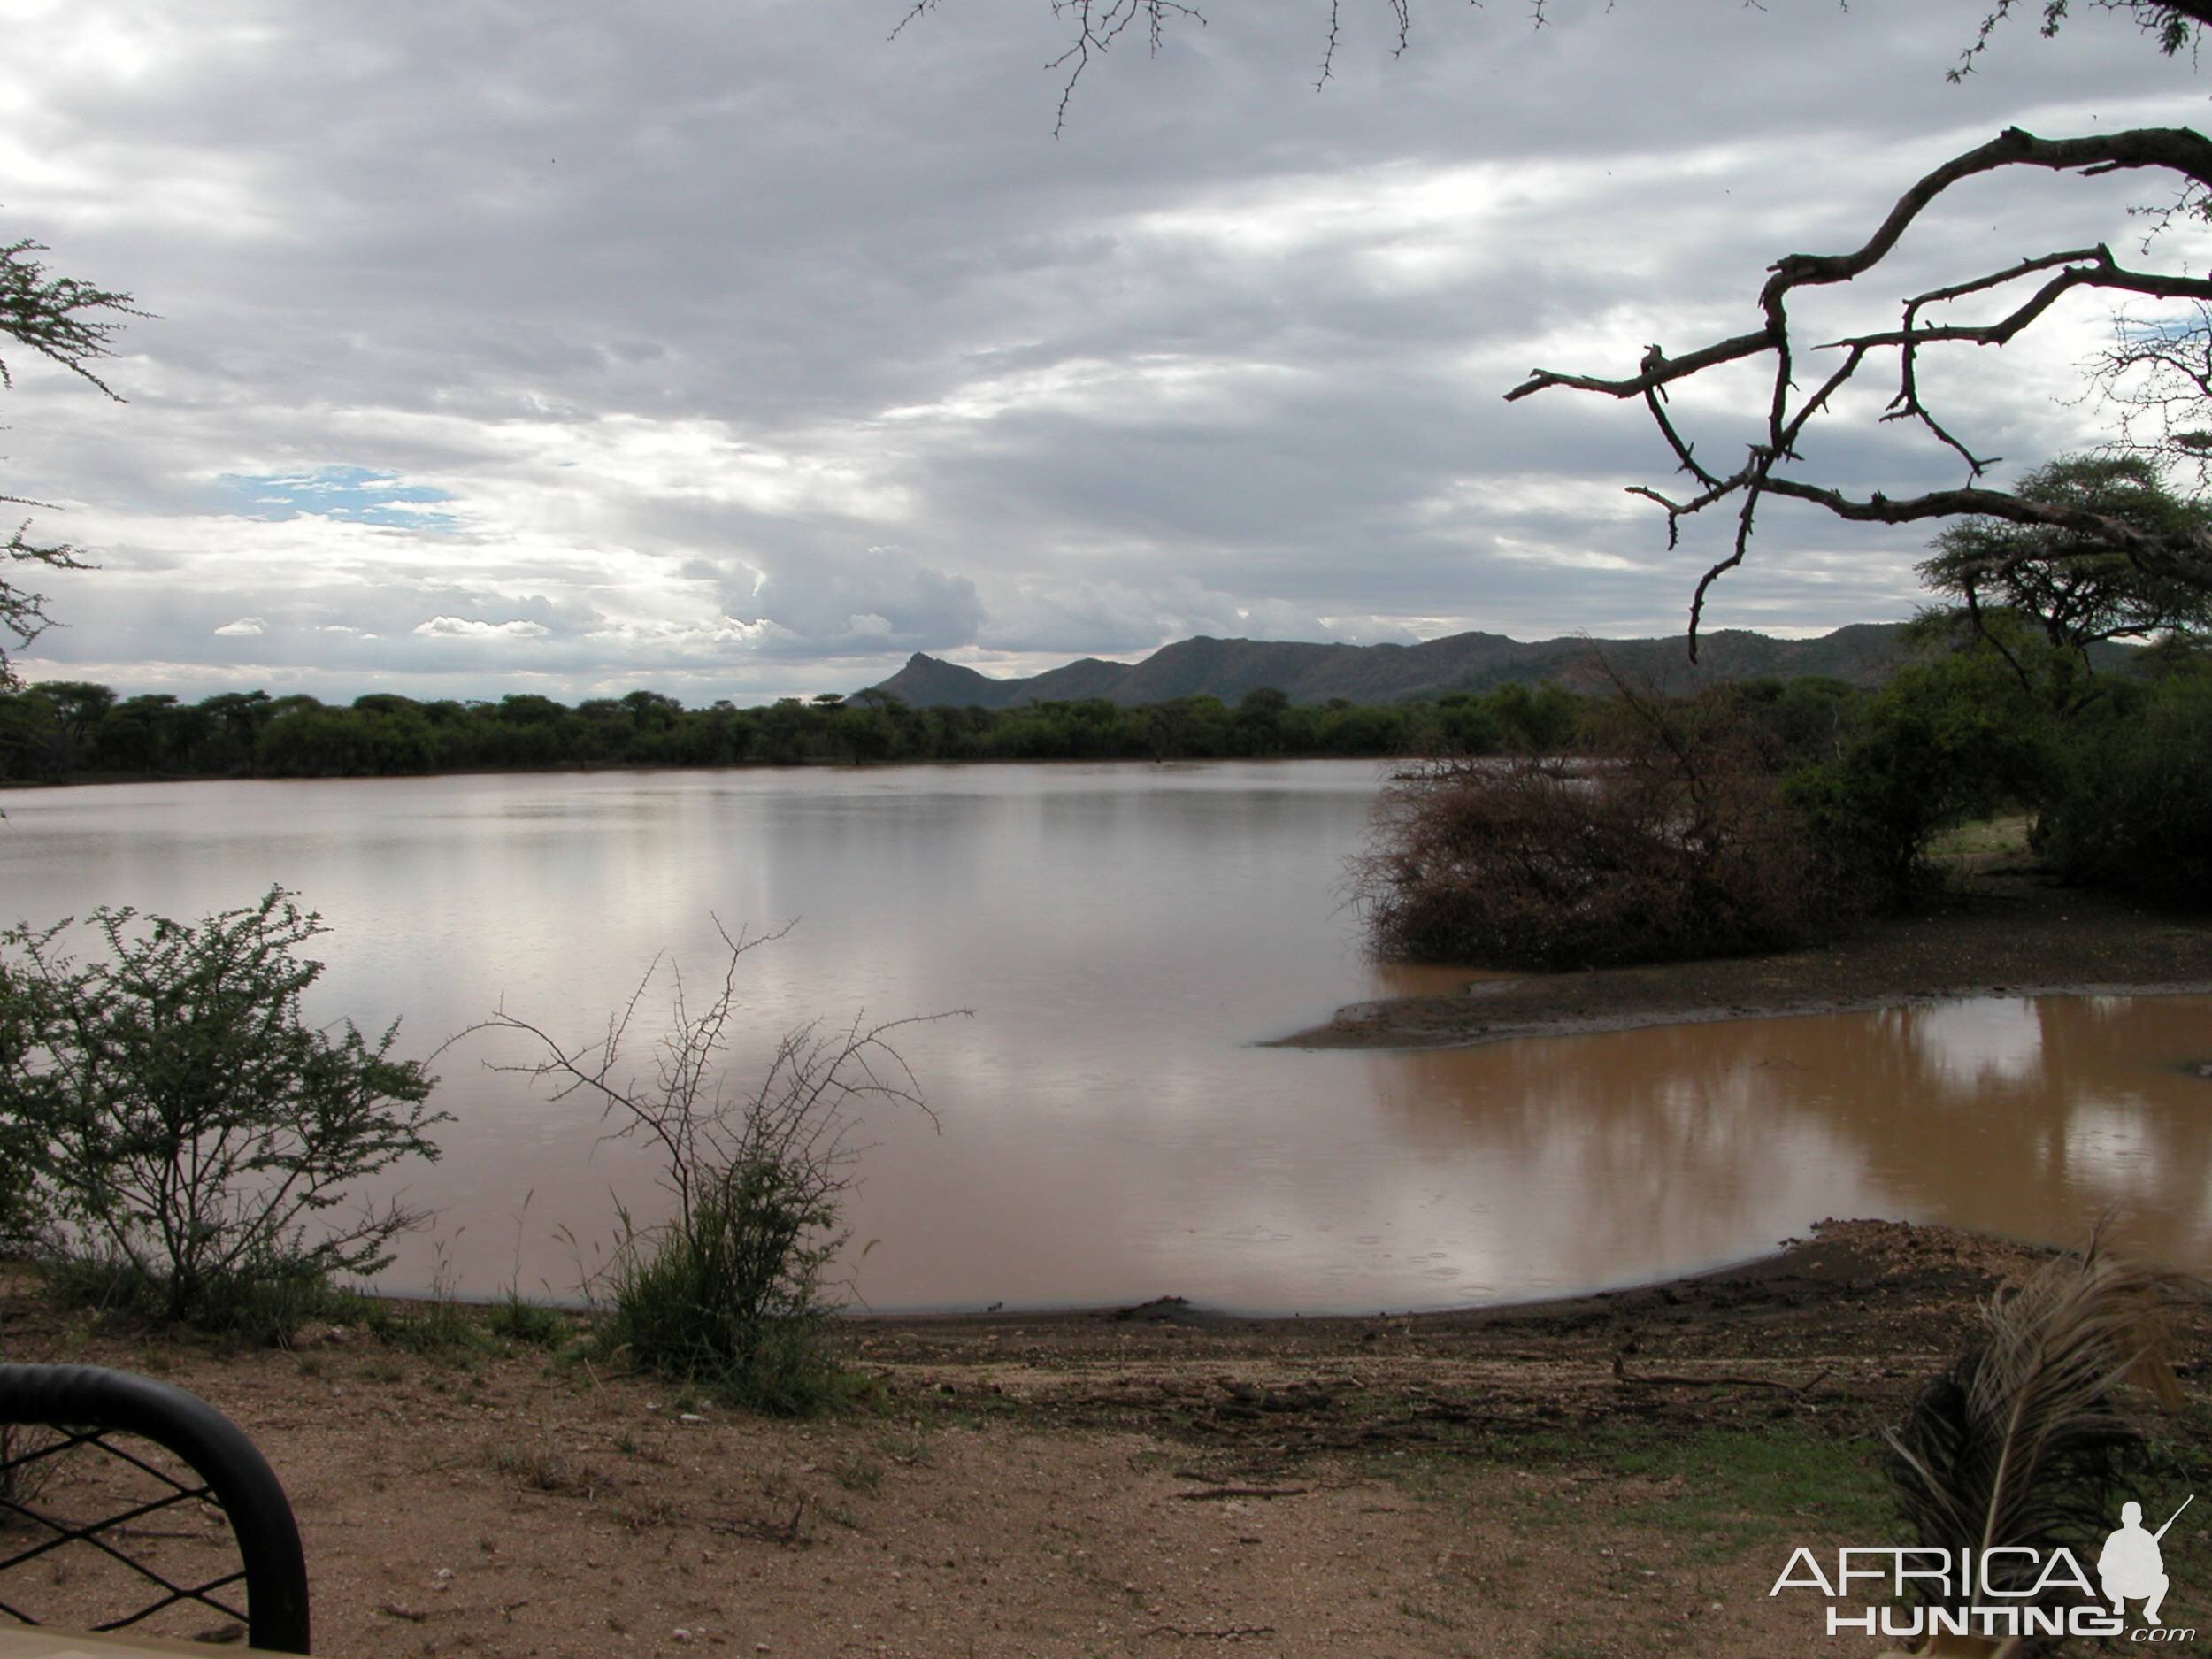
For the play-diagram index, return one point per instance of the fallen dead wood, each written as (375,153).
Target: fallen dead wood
(786,1533)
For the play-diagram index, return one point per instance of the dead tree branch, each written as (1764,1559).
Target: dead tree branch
(2177,363)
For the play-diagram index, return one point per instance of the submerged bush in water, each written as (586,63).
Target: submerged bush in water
(1670,837)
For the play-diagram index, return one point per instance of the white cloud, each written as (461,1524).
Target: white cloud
(468,628)
(245,627)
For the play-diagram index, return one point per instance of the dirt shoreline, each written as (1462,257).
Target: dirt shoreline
(2006,932)
(1840,1260)
(1618,1474)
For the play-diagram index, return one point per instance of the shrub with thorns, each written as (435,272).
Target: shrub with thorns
(1668,836)
(732,1289)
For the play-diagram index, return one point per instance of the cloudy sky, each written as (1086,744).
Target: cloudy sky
(740,348)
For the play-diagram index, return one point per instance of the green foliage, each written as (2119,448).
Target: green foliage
(23,1210)
(437,1326)
(2133,806)
(1800,722)
(61,729)
(2076,589)
(191,1132)
(731,1291)
(732,1297)
(531,1323)
(1947,739)
(1540,722)
(1765,811)
(260,1307)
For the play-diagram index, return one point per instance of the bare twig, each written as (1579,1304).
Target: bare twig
(758,1176)
(2177,367)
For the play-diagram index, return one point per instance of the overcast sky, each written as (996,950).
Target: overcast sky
(739,350)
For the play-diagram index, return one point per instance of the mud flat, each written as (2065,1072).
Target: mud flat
(2003,933)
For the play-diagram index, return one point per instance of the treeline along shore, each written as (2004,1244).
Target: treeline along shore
(74,731)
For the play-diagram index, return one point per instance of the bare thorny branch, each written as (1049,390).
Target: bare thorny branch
(2172,23)
(797,1118)
(2166,369)
(2186,557)
(1402,19)
(1098,25)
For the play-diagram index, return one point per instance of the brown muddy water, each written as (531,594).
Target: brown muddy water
(1106,1130)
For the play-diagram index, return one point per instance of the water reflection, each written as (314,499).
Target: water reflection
(2029,1118)
(1124,935)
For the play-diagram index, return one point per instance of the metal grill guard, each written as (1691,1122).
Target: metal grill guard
(84,1404)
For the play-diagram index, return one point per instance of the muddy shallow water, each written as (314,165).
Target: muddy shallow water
(2028,1118)
(1108,1127)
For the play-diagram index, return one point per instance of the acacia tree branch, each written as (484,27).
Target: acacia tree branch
(2182,553)
(2172,23)
(71,324)
(1100,23)
(59,318)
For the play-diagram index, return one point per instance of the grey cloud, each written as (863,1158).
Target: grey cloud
(643,291)
(874,599)
(1115,618)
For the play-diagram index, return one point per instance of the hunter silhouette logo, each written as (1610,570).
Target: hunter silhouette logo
(2130,1564)
(1999,1592)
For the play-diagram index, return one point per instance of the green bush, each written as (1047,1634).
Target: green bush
(187,1131)
(529,1323)
(23,1218)
(2134,806)
(730,1291)
(734,1296)
(260,1306)
(1947,739)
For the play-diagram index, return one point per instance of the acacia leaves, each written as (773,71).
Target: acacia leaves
(181,1120)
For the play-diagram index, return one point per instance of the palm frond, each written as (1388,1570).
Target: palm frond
(2022,1439)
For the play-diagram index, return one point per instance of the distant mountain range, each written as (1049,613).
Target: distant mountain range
(1864,654)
